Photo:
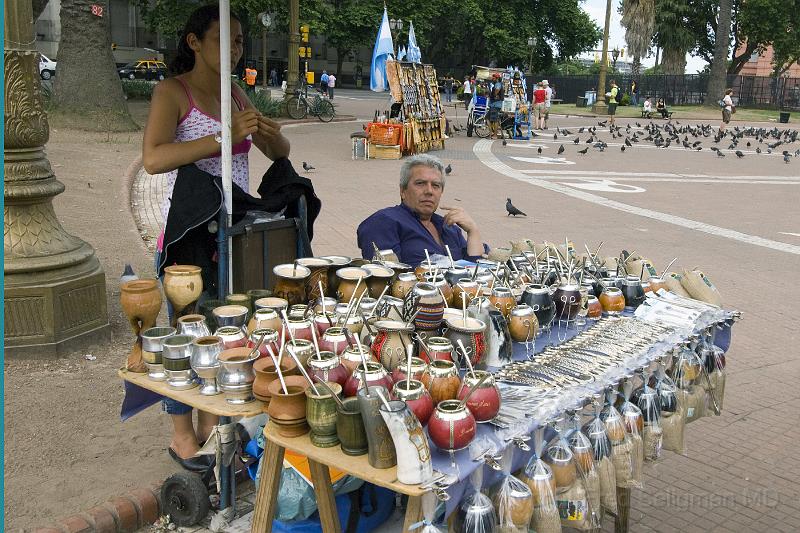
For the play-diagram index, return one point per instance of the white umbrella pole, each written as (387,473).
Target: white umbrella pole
(225,115)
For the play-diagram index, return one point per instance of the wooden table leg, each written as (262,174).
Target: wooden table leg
(267,497)
(326,503)
(413,512)
(623,510)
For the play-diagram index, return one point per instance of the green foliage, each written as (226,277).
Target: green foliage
(262,100)
(771,22)
(137,89)
(625,100)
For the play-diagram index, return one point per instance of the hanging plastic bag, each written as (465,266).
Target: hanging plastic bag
(650,405)
(634,424)
(579,506)
(686,369)
(539,478)
(476,513)
(601,446)
(428,511)
(713,373)
(673,420)
(512,499)
(621,446)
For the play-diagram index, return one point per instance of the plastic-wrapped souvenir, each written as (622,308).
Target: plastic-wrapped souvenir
(428,511)
(512,499)
(601,445)
(673,421)
(686,369)
(634,424)
(713,372)
(540,480)
(621,445)
(476,513)
(650,405)
(589,476)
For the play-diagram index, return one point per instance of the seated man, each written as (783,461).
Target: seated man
(413,226)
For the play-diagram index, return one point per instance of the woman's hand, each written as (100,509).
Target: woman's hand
(269,129)
(244,123)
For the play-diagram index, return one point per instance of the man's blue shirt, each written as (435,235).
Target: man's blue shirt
(400,229)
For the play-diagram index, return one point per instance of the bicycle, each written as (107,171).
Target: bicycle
(300,105)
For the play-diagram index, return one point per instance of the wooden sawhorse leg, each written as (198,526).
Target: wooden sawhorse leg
(623,510)
(267,497)
(413,512)
(326,503)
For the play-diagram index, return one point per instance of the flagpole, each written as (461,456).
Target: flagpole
(225,258)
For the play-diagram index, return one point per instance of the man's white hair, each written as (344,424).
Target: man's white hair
(424,160)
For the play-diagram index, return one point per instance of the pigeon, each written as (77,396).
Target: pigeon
(561,149)
(513,211)
(539,149)
(720,154)
(448,169)
(622,148)
(739,154)
(128,274)
(583,152)
(787,158)
(505,142)
(555,136)
(307,167)
(758,149)
(576,140)
(627,142)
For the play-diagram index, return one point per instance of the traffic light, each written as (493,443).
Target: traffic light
(304,51)
(304,30)
(113,46)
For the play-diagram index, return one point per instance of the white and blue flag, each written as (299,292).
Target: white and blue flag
(413,52)
(384,48)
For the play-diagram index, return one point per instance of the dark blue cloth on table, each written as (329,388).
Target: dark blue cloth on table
(400,229)
(137,399)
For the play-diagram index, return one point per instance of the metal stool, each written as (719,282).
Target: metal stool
(360,145)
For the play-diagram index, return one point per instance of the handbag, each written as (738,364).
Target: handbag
(721,103)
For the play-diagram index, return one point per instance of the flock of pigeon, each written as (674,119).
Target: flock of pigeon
(691,137)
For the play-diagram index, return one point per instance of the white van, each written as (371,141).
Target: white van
(47,67)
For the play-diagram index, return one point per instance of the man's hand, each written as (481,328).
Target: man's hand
(457,215)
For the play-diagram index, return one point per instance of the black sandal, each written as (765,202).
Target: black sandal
(199,463)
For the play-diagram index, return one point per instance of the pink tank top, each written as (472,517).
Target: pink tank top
(196,124)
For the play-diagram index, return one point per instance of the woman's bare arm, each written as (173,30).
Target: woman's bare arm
(268,138)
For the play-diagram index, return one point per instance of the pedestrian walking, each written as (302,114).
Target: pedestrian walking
(728,109)
(331,85)
(250,75)
(612,101)
(539,97)
(323,83)
(548,97)
(448,87)
(467,93)
(496,96)
(273,77)
(183,129)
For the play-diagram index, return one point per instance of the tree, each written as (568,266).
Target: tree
(673,34)
(87,91)
(761,23)
(638,19)
(718,75)
(349,25)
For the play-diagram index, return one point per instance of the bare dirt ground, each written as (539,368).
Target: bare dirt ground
(65,447)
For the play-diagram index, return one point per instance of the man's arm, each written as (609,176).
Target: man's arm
(380,230)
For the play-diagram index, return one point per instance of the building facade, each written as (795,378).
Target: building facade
(761,64)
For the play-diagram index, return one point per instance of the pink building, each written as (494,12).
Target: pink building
(761,65)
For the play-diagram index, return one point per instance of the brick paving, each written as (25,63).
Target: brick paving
(740,471)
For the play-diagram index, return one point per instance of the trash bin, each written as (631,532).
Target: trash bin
(581,101)
(784,117)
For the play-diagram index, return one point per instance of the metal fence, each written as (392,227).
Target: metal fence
(689,89)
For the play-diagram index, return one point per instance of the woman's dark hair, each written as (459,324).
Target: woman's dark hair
(198,23)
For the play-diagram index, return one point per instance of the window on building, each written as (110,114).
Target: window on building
(754,57)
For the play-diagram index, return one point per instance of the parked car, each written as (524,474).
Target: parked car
(47,67)
(144,69)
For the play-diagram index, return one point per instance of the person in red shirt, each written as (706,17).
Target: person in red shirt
(539,97)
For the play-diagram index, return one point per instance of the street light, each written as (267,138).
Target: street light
(614,57)
(532,46)
(396,25)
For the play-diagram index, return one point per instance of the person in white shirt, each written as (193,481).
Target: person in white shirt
(467,94)
(727,109)
(647,107)
(331,85)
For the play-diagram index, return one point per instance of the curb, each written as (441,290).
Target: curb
(337,118)
(123,514)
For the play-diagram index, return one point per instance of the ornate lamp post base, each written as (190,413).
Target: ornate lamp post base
(600,107)
(55,289)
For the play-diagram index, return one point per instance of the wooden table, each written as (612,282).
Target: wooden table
(319,459)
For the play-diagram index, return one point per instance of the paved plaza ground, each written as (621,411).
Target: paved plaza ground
(737,219)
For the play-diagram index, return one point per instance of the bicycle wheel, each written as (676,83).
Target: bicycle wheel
(482,128)
(325,111)
(296,108)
